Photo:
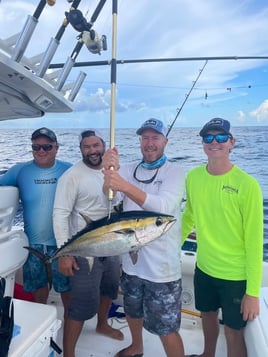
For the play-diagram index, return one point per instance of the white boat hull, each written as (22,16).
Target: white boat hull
(256,332)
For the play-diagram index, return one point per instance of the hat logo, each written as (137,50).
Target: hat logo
(44,131)
(216,121)
(150,122)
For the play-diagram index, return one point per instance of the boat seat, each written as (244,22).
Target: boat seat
(8,207)
(13,256)
(12,241)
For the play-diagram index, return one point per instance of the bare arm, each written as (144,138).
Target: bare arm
(250,307)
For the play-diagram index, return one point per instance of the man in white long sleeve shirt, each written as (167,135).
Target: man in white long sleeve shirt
(79,195)
(152,286)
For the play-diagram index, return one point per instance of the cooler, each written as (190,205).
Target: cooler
(36,325)
(256,332)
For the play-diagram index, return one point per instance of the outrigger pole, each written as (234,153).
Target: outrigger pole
(113,86)
(150,60)
(187,96)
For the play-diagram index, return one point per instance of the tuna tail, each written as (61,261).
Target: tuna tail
(46,261)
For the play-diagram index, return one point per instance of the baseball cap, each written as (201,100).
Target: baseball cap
(44,132)
(154,124)
(216,124)
(89,132)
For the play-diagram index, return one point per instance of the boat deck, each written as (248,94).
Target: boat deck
(92,344)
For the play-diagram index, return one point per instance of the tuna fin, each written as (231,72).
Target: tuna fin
(125,231)
(90,262)
(134,256)
(48,267)
(46,260)
(86,219)
(38,254)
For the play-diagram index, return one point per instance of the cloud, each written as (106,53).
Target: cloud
(241,116)
(100,102)
(261,113)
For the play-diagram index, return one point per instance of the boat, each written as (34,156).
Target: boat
(28,90)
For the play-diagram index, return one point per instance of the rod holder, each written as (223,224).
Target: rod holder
(46,60)
(64,73)
(24,38)
(78,83)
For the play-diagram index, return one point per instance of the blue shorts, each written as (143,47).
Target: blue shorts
(87,286)
(35,275)
(158,303)
(212,294)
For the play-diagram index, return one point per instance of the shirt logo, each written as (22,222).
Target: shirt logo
(45,181)
(230,189)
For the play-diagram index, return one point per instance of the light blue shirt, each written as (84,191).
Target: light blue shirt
(37,187)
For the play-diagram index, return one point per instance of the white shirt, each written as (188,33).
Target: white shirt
(79,195)
(159,261)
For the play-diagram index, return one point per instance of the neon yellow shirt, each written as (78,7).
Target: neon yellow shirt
(227,214)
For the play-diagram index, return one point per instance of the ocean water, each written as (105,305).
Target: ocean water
(184,146)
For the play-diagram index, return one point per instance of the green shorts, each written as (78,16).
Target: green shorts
(213,293)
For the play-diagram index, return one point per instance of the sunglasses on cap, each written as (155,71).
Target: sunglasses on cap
(45,147)
(220,138)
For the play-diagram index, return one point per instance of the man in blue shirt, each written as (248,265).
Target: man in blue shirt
(37,180)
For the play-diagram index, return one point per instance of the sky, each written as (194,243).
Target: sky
(150,29)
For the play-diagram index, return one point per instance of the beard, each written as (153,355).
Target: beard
(93,160)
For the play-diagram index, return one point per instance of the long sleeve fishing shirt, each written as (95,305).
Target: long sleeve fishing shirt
(227,213)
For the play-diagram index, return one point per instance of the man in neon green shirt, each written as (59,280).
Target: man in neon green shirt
(225,206)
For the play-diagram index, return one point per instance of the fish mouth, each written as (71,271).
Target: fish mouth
(170,223)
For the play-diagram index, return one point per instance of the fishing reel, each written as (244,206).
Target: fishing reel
(93,42)
(88,36)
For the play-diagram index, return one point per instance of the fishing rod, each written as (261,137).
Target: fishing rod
(186,98)
(150,60)
(76,18)
(54,42)
(86,29)
(113,89)
(113,74)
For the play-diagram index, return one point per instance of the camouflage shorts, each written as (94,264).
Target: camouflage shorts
(35,274)
(158,303)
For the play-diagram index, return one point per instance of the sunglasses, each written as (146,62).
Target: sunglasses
(144,181)
(45,147)
(220,138)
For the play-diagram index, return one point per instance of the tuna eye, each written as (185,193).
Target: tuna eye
(158,221)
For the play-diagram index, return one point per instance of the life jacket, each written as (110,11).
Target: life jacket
(6,319)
